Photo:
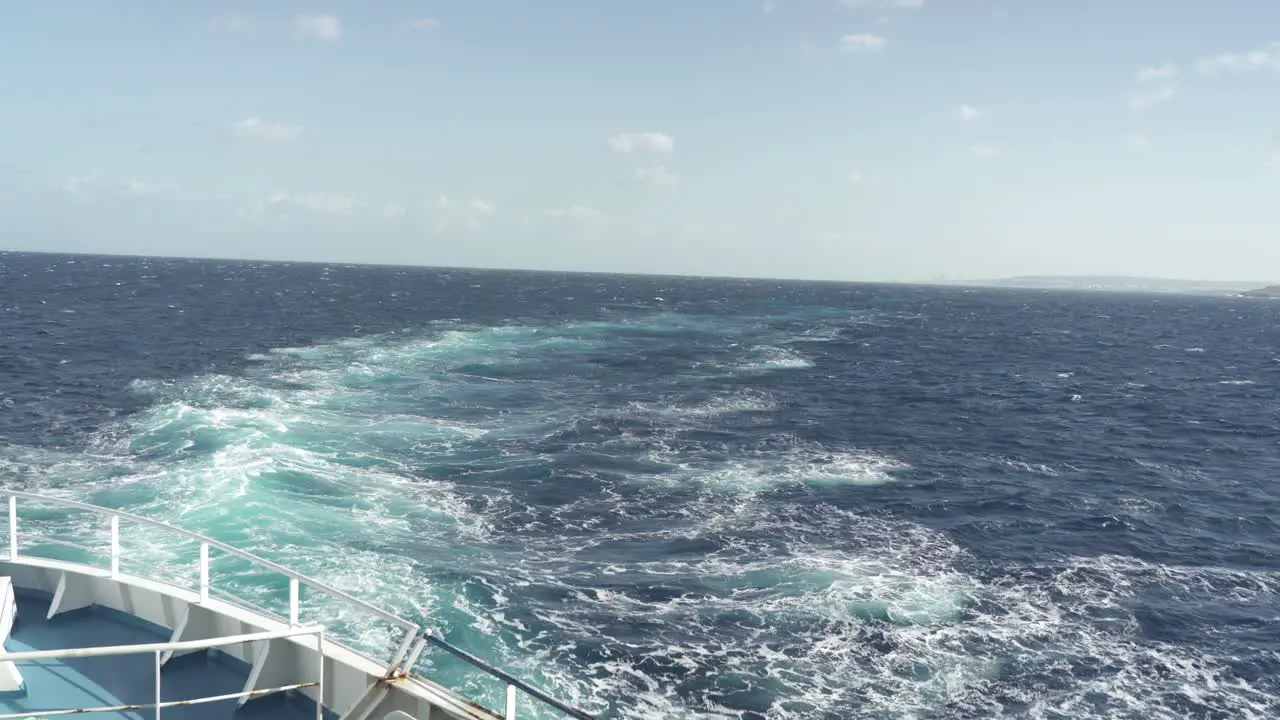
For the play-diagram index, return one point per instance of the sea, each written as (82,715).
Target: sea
(663,497)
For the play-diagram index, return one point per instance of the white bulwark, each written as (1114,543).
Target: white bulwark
(270,655)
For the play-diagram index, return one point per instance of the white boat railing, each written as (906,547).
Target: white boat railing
(513,683)
(394,663)
(161,649)
(411,643)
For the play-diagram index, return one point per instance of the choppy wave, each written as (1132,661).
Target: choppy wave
(799,511)
(337,458)
(773,358)
(315,459)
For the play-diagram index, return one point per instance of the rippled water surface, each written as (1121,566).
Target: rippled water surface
(689,498)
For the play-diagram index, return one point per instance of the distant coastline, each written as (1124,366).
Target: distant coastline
(1270,291)
(1138,284)
(1085,283)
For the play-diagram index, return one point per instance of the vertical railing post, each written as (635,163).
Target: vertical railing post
(158,685)
(204,572)
(13,527)
(511,702)
(414,653)
(406,645)
(293,602)
(320,663)
(115,546)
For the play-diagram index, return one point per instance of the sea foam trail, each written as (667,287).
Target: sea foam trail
(317,458)
(610,539)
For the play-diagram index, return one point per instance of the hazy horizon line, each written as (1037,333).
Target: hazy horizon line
(936,282)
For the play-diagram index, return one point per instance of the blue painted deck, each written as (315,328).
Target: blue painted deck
(128,679)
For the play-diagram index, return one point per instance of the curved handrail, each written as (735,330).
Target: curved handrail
(406,653)
(159,650)
(506,677)
(224,547)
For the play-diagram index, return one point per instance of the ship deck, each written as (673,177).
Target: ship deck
(128,679)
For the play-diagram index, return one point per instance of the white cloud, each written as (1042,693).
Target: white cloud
(1156,85)
(319,27)
(657,175)
(968,113)
(484,207)
(281,204)
(580,221)
(283,201)
(1158,73)
(982,151)
(575,213)
(635,142)
(1267,58)
(92,188)
(863,43)
(425,23)
(236,24)
(142,188)
(321,206)
(1146,98)
(768,7)
(257,129)
(469,214)
(80,187)
(857,177)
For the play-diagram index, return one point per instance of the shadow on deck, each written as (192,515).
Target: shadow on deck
(128,679)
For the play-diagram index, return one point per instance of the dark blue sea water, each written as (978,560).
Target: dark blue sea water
(688,498)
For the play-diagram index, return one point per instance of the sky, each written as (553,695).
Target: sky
(883,140)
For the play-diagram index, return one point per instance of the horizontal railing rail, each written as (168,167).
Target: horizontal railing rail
(412,644)
(512,681)
(296,579)
(175,646)
(161,649)
(203,540)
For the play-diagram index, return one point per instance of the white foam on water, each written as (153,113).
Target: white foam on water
(835,613)
(292,473)
(765,468)
(1138,507)
(254,432)
(737,402)
(797,620)
(662,323)
(754,616)
(262,462)
(767,358)
(1032,632)
(810,610)
(1024,466)
(1082,612)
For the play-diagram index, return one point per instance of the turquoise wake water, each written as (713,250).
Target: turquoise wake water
(369,464)
(748,500)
